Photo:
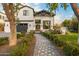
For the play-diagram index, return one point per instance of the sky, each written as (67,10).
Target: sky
(61,14)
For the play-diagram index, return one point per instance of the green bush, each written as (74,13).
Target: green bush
(3,40)
(20,34)
(71,50)
(22,48)
(19,50)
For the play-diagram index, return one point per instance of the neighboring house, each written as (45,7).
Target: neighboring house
(31,20)
(2,15)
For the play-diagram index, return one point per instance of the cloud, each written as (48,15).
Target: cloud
(36,6)
(58,19)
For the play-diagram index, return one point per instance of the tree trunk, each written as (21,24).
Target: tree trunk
(8,8)
(76,12)
(13,37)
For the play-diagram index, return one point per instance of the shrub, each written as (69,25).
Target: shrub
(71,50)
(22,48)
(3,40)
(20,34)
(19,50)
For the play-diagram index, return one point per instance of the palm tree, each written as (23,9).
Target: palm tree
(75,9)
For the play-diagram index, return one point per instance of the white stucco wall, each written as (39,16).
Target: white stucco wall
(29,15)
(7,27)
(45,18)
(22,17)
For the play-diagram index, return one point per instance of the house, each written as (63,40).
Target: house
(2,21)
(31,20)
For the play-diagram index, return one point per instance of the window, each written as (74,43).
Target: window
(37,21)
(46,24)
(25,12)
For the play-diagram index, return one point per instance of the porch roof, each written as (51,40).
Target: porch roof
(44,13)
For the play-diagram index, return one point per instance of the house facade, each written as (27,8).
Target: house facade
(29,20)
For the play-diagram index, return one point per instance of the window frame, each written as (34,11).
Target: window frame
(25,12)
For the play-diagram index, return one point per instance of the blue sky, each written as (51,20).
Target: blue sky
(61,14)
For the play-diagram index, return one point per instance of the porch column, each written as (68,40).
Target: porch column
(41,25)
(51,25)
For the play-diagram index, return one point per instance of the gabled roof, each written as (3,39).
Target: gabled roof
(44,13)
(27,6)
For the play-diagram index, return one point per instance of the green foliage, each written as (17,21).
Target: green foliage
(66,23)
(71,50)
(57,29)
(20,34)
(53,6)
(19,50)
(67,42)
(22,48)
(64,5)
(3,40)
(72,24)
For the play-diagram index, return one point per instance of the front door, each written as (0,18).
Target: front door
(37,27)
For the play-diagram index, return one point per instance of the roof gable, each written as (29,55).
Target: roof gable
(23,6)
(44,13)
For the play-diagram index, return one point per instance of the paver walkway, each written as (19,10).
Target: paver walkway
(44,47)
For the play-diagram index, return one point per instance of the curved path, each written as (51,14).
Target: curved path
(44,47)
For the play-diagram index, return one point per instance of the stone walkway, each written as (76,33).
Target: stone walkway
(44,47)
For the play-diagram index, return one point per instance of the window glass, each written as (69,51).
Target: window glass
(37,21)
(46,24)
(25,12)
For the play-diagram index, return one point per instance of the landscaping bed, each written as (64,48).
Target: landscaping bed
(3,40)
(25,47)
(68,43)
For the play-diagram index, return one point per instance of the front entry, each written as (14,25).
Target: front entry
(37,27)
(22,27)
